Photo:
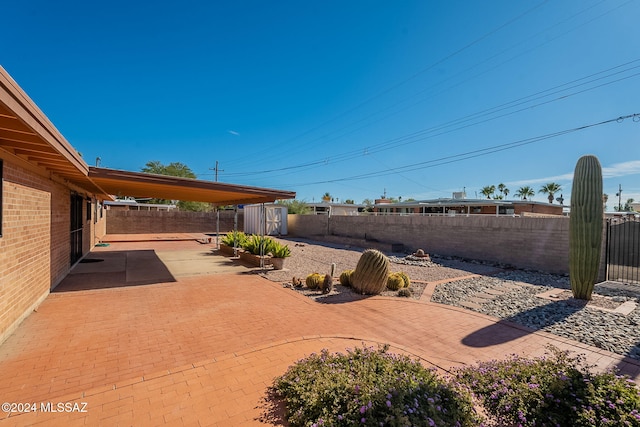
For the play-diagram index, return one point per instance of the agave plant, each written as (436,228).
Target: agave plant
(278,250)
(258,245)
(234,238)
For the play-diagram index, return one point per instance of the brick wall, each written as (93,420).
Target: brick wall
(525,242)
(35,243)
(143,222)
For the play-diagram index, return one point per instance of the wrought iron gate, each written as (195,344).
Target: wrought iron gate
(623,249)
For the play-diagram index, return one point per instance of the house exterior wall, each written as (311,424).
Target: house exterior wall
(524,242)
(35,243)
(149,222)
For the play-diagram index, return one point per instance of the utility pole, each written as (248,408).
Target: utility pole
(619,194)
(216,169)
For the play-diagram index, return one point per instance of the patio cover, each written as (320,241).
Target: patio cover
(28,134)
(136,184)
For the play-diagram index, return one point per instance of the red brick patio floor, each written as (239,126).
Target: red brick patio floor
(202,350)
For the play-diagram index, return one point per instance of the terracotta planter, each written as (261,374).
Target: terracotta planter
(278,263)
(252,259)
(228,250)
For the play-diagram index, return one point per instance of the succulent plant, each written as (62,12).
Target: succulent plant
(345,278)
(407,281)
(327,284)
(395,282)
(234,238)
(258,245)
(585,226)
(404,292)
(278,250)
(371,273)
(314,281)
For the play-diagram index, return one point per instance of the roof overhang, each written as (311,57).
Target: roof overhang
(27,133)
(137,184)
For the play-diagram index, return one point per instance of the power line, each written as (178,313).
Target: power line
(477,153)
(457,124)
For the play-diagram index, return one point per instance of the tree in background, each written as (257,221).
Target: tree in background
(326,197)
(368,205)
(524,192)
(294,206)
(488,191)
(172,169)
(550,189)
(626,208)
(504,191)
(182,171)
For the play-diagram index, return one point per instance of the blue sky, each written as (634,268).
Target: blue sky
(417,99)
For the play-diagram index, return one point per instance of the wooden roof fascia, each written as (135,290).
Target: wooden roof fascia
(193,189)
(28,112)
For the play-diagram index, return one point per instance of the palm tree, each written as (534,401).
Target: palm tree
(524,192)
(326,197)
(503,190)
(488,191)
(551,189)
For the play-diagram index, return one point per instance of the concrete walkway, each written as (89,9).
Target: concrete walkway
(155,347)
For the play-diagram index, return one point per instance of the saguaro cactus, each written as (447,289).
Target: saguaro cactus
(585,226)
(371,273)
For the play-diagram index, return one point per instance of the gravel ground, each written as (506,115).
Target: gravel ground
(517,298)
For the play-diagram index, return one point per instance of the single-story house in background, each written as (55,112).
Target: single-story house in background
(328,208)
(51,203)
(463,206)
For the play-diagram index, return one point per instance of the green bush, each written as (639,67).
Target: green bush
(395,282)
(314,281)
(555,390)
(345,278)
(370,387)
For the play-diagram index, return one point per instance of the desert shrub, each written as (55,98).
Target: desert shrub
(345,278)
(395,282)
(555,390)
(370,387)
(405,277)
(314,280)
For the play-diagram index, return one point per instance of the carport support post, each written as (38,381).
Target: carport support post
(217,227)
(263,226)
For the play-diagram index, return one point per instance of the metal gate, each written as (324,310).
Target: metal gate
(623,249)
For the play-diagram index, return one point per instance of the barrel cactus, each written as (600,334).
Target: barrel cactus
(314,281)
(395,282)
(585,226)
(371,273)
(345,277)
(405,277)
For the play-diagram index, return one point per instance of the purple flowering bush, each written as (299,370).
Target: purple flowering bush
(370,387)
(555,390)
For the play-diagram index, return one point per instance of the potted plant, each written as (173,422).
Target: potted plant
(278,253)
(256,248)
(232,242)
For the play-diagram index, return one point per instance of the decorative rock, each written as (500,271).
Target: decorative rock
(608,330)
